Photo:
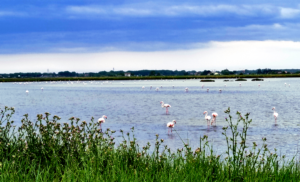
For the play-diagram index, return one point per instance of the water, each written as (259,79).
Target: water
(128,105)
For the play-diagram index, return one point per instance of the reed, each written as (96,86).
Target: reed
(47,150)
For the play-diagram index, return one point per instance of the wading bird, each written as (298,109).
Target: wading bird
(27,91)
(275,114)
(157,89)
(186,89)
(166,106)
(102,120)
(171,125)
(207,90)
(207,118)
(214,115)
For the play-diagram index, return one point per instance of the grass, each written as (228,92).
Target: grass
(46,150)
(148,77)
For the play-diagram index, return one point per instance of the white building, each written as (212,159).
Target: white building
(127,74)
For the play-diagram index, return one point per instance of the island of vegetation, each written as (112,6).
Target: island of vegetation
(207,80)
(257,79)
(241,79)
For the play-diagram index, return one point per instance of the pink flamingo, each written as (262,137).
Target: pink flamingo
(214,115)
(166,106)
(207,118)
(186,89)
(275,114)
(171,125)
(102,120)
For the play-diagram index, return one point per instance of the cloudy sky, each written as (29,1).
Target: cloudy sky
(91,35)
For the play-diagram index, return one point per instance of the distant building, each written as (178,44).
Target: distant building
(127,74)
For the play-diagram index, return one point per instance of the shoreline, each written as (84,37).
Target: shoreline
(147,78)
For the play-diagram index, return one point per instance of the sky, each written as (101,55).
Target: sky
(91,36)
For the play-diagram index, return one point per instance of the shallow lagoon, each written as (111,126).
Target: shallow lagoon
(128,105)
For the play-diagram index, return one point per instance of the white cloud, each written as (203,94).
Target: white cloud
(214,55)
(289,12)
(11,13)
(176,10)
(85,10)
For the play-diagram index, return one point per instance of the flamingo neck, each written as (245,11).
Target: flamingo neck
(206,114)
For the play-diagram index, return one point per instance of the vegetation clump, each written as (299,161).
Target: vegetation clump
(257,79)
(241,79)
(207,80)
(47,150)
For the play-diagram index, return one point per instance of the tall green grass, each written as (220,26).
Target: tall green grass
(47,150)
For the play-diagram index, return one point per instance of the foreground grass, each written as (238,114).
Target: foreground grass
(149,77)
(78,151)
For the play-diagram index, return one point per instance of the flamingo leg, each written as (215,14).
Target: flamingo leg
(171,130)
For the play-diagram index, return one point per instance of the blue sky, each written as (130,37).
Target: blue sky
(58,26)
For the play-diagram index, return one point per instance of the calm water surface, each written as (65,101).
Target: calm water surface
(126,104)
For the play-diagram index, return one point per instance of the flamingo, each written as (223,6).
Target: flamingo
(214,115)
(171,125)
(42,88)
(143,87)
(259,85)
(207,90)
(151,87)
(202,85)
(220,90)
(166,106)
(157,89)
(275,114)
(207,118)
(27,91)
(102,120)
(186,89)
(240,84)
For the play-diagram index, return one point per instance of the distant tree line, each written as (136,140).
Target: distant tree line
(147,73)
